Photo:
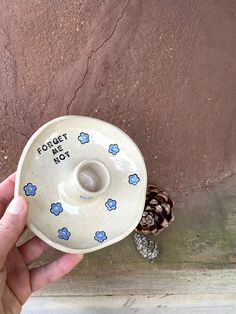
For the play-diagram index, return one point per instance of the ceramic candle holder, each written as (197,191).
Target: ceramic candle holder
(85,181)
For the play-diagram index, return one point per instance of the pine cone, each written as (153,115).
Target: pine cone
(157,213)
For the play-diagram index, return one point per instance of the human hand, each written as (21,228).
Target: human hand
(17,282)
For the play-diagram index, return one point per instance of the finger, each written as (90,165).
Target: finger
(17,275)
(11,226)
(32,249)
(49,273)
(8,306)
(6,192)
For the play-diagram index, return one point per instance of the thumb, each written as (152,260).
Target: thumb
(11,226)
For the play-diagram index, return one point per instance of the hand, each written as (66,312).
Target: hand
(17,282)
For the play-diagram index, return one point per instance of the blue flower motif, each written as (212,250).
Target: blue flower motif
(134,179)
(100,236)
(83,138)
(30,189)
(113,149)
(64,233)
(56,209)
(110,204)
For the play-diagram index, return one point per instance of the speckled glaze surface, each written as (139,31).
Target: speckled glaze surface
(85,181)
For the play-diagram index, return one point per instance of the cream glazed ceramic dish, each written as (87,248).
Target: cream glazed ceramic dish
(85,181)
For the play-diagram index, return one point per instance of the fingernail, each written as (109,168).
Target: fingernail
(17,206)
(12,177)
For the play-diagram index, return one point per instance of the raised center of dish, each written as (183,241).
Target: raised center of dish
(93,176)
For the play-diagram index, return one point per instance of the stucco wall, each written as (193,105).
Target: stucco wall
(163,71)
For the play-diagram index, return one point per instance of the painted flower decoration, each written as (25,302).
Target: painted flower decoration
(56,209)
(30,189)
(64,233)
(110,204)
(83,138)
(100,236)
(113,149)
(133,179)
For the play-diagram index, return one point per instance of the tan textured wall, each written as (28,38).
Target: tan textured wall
(163,71)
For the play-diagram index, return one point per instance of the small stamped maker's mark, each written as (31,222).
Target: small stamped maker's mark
(55,146)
